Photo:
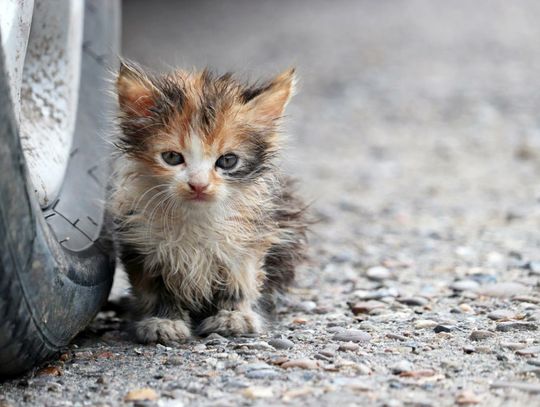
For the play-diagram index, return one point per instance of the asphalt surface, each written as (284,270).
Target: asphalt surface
(416,135)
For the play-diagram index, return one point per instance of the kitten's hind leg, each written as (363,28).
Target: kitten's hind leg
(162,330)
(241,320)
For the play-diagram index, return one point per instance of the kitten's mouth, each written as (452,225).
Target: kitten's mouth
(202,197)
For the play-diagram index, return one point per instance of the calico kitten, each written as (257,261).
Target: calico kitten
(209,229)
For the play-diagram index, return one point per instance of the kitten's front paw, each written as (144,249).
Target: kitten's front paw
(232,323)
(151,330)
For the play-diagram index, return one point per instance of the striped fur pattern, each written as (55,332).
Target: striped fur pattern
(206,245)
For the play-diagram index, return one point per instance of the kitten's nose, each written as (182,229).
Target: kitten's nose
(197,188)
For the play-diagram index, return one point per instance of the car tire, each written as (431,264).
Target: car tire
(57,263)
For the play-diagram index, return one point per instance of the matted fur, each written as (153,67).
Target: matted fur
(212,262)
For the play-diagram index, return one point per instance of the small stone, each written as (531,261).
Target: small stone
(256,392)
(259,345)
(306,306)
(215,339)
(534,362)
(375,294)
(329,353)
(516,326)
(530,351)
(144,394)
(175,361)
(464,285)
(378,273)
(322,309)
(424,324)
(365,307)
(480,335)
(278,343)
(262,374)
(501,314)
(466,308)
(469,349)
(443,328)
(354,383)
(513,345)
(401,366)
(348,347)
(413,301)
(54,387)
(466,398)
(503,290)
(301,363)
(533,388)
(278,360)
(352,335)
(294,393)
(399,337)
(49,371)
(526,298)
(249,367)
(200,348)
(320,356)
(534,267)
(418,373)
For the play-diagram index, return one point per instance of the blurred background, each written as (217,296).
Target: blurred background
(419,114)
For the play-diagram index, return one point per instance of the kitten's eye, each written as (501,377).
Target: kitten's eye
(227,161)
(172,157)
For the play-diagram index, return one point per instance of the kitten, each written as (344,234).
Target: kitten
(209,229)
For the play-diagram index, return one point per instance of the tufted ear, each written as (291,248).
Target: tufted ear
(137,96)
(267,103)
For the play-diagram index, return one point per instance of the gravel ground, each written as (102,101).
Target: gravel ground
(417,137)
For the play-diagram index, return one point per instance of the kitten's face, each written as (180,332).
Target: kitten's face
(200,137)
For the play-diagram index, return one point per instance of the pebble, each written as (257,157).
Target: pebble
(49,371)
(466,308)
(249,367)
(281,343)
(466,398)
(516,326)
(375,294)
(378,273)
(530,351)
(464,285)
(306,306)
(533,388)
(215,339)
(413,301)
(262,374)
(513,345)
(354,383)
(500,314)
(534,362)
(399,337)
(348,347)
(352,335)
(301,363)
(503,290)
(145,393)
(443,328)
(365,307)
(175,361)
(256,392)
(534,267)
(402,366)
(424,323)
(480,335)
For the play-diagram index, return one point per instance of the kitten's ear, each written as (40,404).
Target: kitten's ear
(136,93)
(266,104)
